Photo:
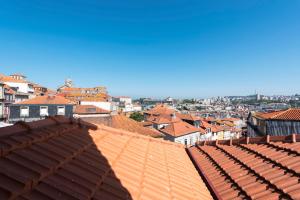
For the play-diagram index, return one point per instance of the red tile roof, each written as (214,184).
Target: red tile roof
(210,119)
(4,78)
(179,129)
(58,158)
(289,114)
(8,90)
(188,117)
(46,100)
(163,119)
(160,109)
(214,128)
(225,122)
(147,123)
(89,109)
(231,119)
(251,168)
(124,123)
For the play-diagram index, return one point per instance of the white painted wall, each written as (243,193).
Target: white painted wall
(1,109)
(190,138)
(90,115)
(126,100)
(137,108)
(104,105)
(23,87)
(1,92)
(209,136)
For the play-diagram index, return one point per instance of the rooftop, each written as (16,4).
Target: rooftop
(43,100)
(163,119)
(179,128)
(251,168)
(90,109)
(188,117)
(4,78)
(289,114)
(160,109)
(60,158)
(124,123)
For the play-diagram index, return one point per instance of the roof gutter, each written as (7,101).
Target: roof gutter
(206,180)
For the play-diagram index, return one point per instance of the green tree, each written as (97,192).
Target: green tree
(137,116)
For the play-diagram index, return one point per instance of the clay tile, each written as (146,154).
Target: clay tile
(24,124)
(40,124)
(10,130)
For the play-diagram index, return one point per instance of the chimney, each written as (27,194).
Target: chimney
(51,96)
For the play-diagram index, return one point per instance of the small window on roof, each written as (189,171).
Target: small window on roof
(61,110)
(24,111)
(91,110)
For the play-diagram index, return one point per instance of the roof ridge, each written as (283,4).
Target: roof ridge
(48,121)
(136,135)
(280,113)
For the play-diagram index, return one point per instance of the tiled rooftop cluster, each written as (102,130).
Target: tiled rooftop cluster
(90,109)
(47,99)
(179,128)
(60,158)
(124,123)
(251,168)
(289,114)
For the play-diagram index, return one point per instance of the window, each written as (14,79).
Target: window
(91,110)
(24,111)
(185,142)
(61,110)
(44,111)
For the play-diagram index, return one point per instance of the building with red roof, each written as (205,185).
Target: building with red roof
(83,111)
(283,122)
(182,132)
(39,108)
(62,158)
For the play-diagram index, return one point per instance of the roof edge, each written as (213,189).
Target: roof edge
(205,179)
(253,140)
(22,126)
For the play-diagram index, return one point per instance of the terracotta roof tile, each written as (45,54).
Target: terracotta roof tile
(160,109)
(214,128)
(125,123)
(289,114)
(89,109)
(179,128)
(231,119)
(46,100)
(253,168)
(163,119)
(60,158)
(4,78)
(188,117)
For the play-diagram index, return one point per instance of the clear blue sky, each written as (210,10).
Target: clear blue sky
(155,48)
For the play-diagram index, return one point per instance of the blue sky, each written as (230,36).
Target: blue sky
(155,48)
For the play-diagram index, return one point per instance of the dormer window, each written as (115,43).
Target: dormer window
(208,130)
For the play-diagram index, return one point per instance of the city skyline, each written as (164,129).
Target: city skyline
(155,49)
